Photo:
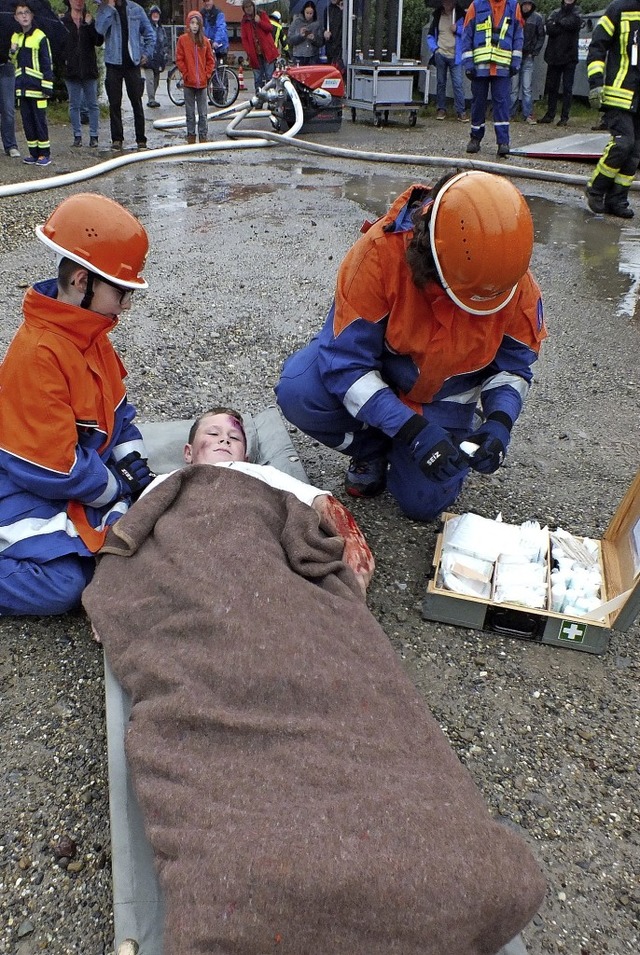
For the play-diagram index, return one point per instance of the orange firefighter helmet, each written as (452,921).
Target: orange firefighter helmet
(481,234)
(99,234)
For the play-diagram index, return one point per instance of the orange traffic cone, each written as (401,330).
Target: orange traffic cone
(241,77)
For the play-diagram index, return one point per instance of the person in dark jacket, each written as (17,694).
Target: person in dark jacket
(561,56)
(333,34)
(613,70)
(306,36)
(158,59)
(81,69)
(522,82)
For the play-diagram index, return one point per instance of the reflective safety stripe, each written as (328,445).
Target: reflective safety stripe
(507,378)
(11,534)
(361,390)
(348,441)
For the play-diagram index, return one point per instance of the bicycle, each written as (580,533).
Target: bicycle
(222,88)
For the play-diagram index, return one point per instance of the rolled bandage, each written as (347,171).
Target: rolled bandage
(469,448)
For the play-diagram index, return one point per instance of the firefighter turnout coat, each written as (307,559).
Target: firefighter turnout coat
(613,60)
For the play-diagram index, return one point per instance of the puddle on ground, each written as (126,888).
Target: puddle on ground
(609,248)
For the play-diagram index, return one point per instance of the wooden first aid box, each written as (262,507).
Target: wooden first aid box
(619,556)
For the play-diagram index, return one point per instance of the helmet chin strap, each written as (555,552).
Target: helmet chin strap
(88,295)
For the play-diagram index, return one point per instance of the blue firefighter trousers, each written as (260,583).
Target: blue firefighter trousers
(28,587)
(500,87)
(307,404)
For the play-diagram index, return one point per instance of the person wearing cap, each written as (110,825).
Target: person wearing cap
(71,459)
(158,59)
(428,345)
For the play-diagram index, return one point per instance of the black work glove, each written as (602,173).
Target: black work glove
(470,74)
(514,70)
(133,473)
(493,438)
(432,449)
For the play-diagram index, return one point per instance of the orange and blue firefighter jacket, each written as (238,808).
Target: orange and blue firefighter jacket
(389,349)
(64,421)
(613,59)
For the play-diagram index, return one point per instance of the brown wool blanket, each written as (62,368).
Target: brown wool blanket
(299,797)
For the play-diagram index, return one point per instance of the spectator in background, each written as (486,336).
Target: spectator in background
(31,54)
(128,44)
(7,90)
(333,34)
(215,29)
(445,43)
(81,69)
(196,62)
(257,41)
(561,56)
(522,82)
(158,59)
(306,36)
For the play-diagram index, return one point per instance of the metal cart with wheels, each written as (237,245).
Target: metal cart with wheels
(382,88)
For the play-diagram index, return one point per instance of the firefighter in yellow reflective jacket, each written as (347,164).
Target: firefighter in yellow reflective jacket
(279,33)
(31,55)
(492,40)
(613,69)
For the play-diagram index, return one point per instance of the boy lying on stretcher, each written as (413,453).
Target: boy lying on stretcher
(295,791)
(218,437)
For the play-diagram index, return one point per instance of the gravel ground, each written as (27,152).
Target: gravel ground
(245,248)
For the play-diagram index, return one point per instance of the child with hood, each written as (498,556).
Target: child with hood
(195,60)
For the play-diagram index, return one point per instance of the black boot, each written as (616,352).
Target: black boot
(595,200)
(616,203)
(546,119)
(473,146)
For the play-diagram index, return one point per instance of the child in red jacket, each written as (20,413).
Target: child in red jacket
(194,58)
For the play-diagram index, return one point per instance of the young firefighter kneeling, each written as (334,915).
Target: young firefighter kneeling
(436,320)
(71,460)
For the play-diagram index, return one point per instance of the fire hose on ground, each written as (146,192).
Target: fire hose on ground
(257,138)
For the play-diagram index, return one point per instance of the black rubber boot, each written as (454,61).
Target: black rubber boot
(616,203)
(473,146)
(595,200)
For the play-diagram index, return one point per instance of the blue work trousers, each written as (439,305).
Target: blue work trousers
(30,588)
(307,404)
(8,106)
(500,87)
(444,64)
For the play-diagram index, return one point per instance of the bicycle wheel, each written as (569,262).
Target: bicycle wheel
(223,87)
(174,86)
